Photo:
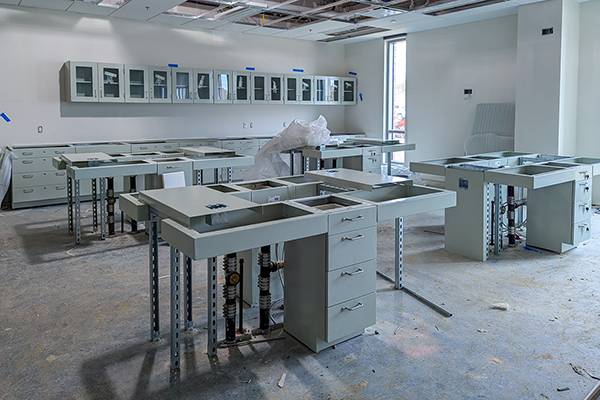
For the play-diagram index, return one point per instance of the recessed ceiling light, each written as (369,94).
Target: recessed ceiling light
(111,3)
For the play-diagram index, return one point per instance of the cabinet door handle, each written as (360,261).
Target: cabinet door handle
(27,162)
(350,219)
(171,167)
(357,237)
(27,190)
(60,188)
(28,153)
(356,307)
(28,176)
(358,271)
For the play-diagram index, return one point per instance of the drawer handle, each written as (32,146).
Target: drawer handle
(350,219)
(357,237)
(28,176)
(358,271)
(585,175)
(60,188)
(27,162)
(171,167)
(356,307)
(143,147)
(28,153)
(27,190)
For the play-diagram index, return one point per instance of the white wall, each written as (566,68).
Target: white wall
(442,63)
(35,44)
(588,116)
(367,60)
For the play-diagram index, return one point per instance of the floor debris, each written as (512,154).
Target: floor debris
(282,380)
(582,371)
(480,330)
(563,389)
(500,306)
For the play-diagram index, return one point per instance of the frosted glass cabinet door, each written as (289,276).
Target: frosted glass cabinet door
(291,90)
(203,83)
(182,85)
(83,81)
(348,91)
(275,84)
(259,89)
(320,90)
(333,90)
(223,87)
(241,87)
(112,89)
(160,85)
(306,90)
(136,84)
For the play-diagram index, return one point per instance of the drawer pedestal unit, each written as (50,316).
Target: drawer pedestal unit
(245,147)
(330,278)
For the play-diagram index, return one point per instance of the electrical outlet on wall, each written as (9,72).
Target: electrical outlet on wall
(40,129)
(251,125)
(468,93)
(244,125)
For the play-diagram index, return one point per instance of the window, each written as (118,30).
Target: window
(396,93)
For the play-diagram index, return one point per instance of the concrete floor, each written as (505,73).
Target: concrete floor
(74,325)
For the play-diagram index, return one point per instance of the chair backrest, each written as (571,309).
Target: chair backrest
(173,180)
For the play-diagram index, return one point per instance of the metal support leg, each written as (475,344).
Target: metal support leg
(102,208)
(306,164)
(318,162)
(153,274)
(496,220)
(211,347)
(216,172)
(399,236)
(389,163)
(229,174)
(292,163)
(110,205)
(187,282)
(197,177)
(77,212)
(132,189)
(94,205)
(175,315)
(70,203)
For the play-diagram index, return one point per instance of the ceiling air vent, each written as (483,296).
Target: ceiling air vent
(352,33)
(464,7)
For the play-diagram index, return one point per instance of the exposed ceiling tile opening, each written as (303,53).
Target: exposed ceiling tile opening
(412,5)
(352,33)
(464,7)
(278,20)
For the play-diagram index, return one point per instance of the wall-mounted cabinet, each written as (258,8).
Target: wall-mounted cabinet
(259,88)
(275,84)
(136,84)
(203,86)
(118,83)
(223,85)
(241,87)
(182,85)
(348,91)
(112,89)
(160,85)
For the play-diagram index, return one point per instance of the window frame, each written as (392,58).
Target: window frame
(389,89)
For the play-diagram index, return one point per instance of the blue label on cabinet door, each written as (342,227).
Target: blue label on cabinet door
(173,65)
(4,117)
(297,69)
(250,69)
(352,73)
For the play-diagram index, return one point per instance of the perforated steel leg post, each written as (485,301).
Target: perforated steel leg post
(398,259)
(291,163)
(132,189)
(198,177)
(175,315)
(306,164)
(153,273)
(102,208)
(496,220)
(110,205)
(70,203)
(94,205)
(229,174)
(187,282)
(211,347)
(216,172)
(389,163)
(77,212)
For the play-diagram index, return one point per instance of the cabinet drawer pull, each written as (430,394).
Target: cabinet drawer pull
(358,271)
(28,153)
(171,167)
(27,190)
(60,188)
(357,237)
(27,161)
(350,219)
(356,307)
(143,147)
(29,176)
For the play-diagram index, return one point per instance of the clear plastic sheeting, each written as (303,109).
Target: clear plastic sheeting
(268,162)
(488,142)
(5,172)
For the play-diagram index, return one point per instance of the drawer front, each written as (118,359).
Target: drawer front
(57,191)
(54,151)
(145,147)
(37,193)
(581,232)
(103,148)
(347,283)
(32,152)
(39,178)
(350,317)
(239,144)
(269,195)
(167,146)
(352,220)
(583,191)
(32,164)
(352,247)
(583,211)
